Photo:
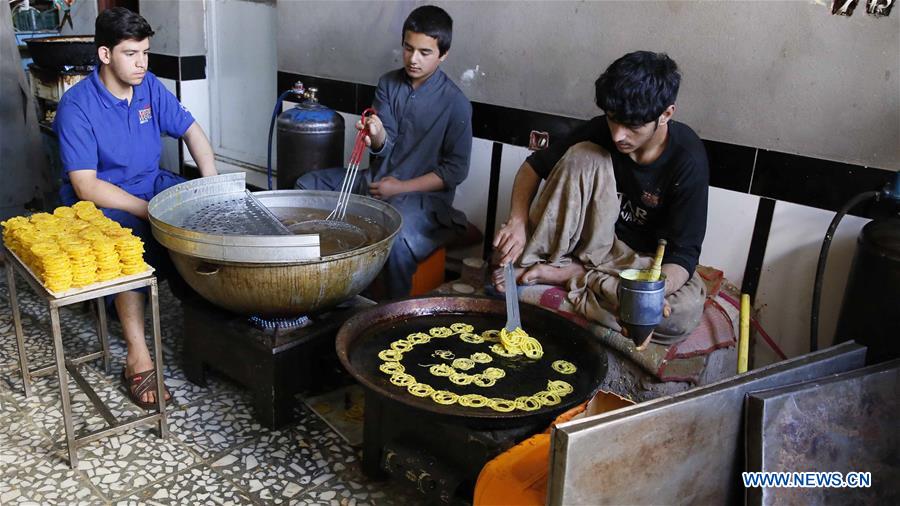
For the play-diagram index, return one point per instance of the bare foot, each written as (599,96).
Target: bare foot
(549,275)
(498,279)
(539,274)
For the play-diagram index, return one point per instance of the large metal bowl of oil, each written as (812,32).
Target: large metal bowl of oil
(352,252)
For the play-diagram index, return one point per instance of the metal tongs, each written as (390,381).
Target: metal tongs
(359,147)
(513,320)
(65,8)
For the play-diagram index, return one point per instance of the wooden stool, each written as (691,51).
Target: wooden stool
(430,273)
(63,364)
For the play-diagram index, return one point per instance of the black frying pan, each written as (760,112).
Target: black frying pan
(365,334)
(58,52)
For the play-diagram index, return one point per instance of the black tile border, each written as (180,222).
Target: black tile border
(813,182)
(164,66)
(730,165)
(513,126)
(493,192)
(338,95)
(779,176)
(178,68)
(193,67)
(765,211)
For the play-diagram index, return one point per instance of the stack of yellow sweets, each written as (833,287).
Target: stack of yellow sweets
(74,247)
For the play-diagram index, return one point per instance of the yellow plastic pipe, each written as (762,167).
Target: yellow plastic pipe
(744,342)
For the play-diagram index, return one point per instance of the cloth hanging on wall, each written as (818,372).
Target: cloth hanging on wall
(23,163)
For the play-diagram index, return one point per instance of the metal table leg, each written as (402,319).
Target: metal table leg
(157,350)
(20,336)
(63,385)
(102,331)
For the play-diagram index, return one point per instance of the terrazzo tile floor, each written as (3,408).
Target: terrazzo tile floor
(216,453)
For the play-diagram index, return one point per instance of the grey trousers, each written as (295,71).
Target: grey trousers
(575,218)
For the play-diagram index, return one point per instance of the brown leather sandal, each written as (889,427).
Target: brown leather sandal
(139,384)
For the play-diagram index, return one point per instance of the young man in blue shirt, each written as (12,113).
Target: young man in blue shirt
(109,127)
(421,140)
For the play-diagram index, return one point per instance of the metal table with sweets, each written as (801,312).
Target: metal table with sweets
(56,300)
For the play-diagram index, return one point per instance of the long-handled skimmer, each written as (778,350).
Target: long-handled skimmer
(359,147)
(513,320)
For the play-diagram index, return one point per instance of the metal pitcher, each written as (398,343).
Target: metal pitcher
(640,303)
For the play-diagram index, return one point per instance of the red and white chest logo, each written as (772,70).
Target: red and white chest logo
(145,114)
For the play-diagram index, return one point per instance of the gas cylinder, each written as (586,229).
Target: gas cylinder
(870,313)
(309,136)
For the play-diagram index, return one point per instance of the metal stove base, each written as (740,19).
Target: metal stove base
(440,457)
(275,365)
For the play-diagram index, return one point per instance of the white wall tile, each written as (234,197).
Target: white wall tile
(513,156)
(169,156)
(784,296)
(729,229)
(195,97)
(472,194)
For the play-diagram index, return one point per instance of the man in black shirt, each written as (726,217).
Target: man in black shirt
(615,186)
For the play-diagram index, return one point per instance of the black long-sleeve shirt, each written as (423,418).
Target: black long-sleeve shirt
(666,199)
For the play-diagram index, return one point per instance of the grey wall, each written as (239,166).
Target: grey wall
(84,13)
(191,31)
(163,18)
(179,26)
(786,75)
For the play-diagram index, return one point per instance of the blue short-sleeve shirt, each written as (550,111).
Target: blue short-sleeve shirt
(121,141)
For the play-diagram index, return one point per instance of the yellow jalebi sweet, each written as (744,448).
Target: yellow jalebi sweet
(391,368)
(390,355)
(506,344)
(460,378)
(401,379)
(75,246)
(440,332)
(444,397)
(473,401)
(463,364)
(564,367)
(420,389)
(471,338)
(518,342)
(461,328)
(401,345)
(480,358)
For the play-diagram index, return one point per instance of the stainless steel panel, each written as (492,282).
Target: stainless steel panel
(241,215)
(216,218)
(681,449)
(846,422)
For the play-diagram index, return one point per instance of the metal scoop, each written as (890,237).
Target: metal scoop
(513,320)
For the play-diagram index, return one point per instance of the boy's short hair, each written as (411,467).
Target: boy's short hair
(638,87)
(118,24)
(433,22)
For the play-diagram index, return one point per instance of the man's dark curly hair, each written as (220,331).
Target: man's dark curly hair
(118,24)
(638,87)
